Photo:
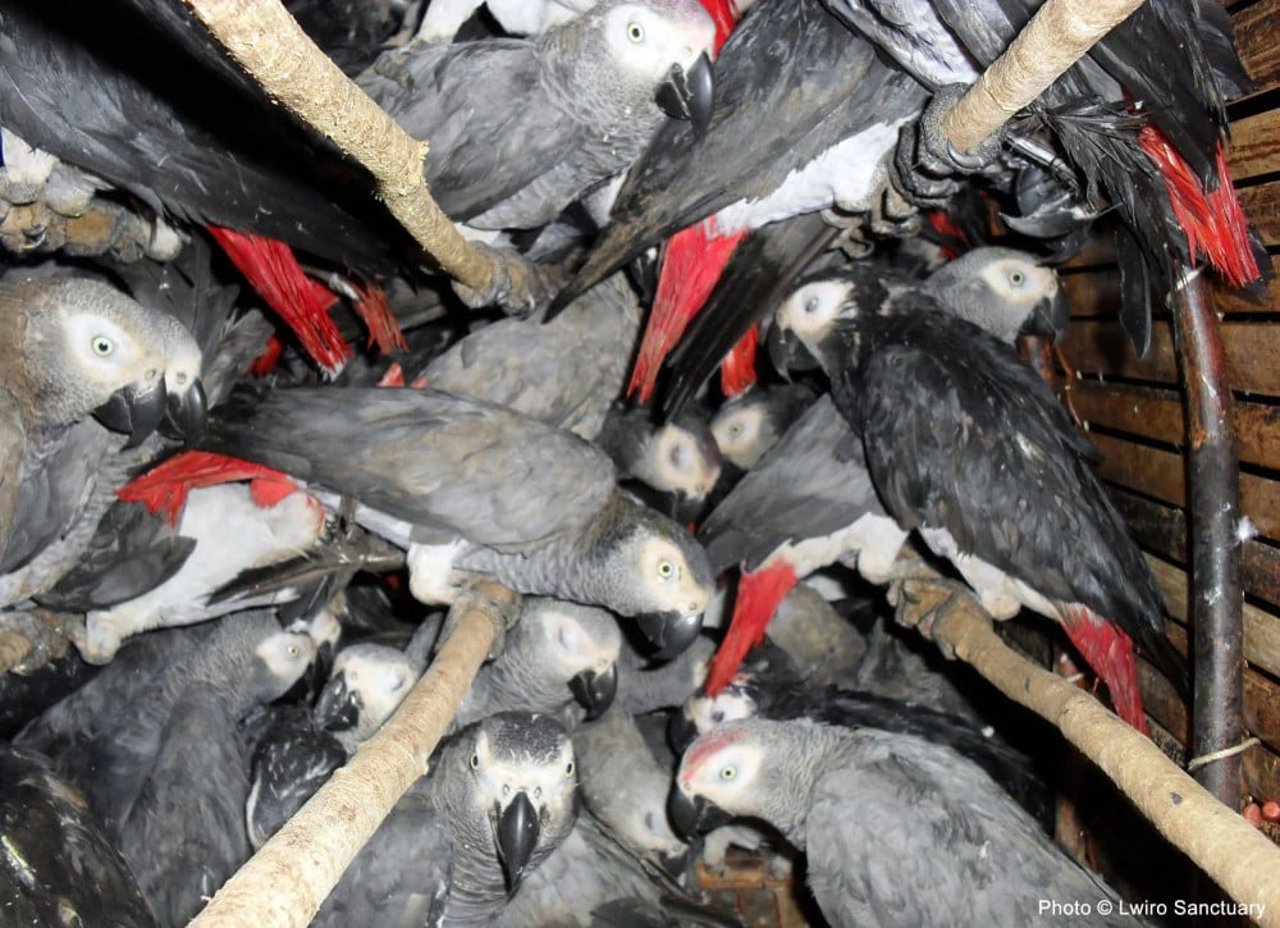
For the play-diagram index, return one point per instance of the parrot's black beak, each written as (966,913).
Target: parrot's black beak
(1049,318)
(693,815)
(186,414)
(681,730)
(338,708)
(687,94)
(516,836)
(134,410)
(668,633)
(595,691)
(787,353)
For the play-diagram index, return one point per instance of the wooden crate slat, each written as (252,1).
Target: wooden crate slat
(1255,35)
(1255,145)
(1253,354)
(1160,474)
(1262,208)
(1266,299)
(1160,415)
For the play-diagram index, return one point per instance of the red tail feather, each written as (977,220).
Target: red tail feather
(691,264)
(759,594)
(384,328)
(302,303)
(724,13)
(1213,222)
(1109,651)
(166,486)
(738,369)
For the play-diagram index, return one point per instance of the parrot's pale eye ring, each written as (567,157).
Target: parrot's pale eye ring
(1016,278)
(735,430)
(666,570)
(294,650)
(728,773)
(569,769)
(475,761)
(102,346)
(635,32)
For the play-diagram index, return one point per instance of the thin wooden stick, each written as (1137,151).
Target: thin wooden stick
(1226,847)
(283,885)
(1061,32)
(271,47)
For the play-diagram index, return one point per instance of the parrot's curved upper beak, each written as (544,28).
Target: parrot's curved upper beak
(595,691)
(669,633)
(681,730)
(516,835)
(186,413)
(687,94)
(338,708)
(1049,318)
(136,410)
(694,815)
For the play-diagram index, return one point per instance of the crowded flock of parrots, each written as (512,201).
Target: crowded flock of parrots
(253,446)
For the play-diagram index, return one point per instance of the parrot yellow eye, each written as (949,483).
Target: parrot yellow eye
(569,769)
(475,761)
(735,430)
(728,773)
(635,32)
(1016,278)
(102,346)
(666,570)
(294,650)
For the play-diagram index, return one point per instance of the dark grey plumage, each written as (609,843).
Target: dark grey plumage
(747,426)
(897,831)
(677,458)
(438,857)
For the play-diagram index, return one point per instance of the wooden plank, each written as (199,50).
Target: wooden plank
(1160,474)
(1255,145)
(1255,34)
(1261,628)
(1160,415)
(1092,293)
(1262,209)
(1101,347)
(1162,529)
(1264,300)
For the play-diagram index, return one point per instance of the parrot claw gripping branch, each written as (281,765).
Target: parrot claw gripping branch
(286,882)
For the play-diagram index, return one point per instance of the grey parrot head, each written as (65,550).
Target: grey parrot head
(749,425)
(750,769)
(654,52)
(817,323)
(702,713)
(575,645)
(516,773)
(651,569)
(282,659)
(89,349)
(366,685)
(1003,290)
(680,456)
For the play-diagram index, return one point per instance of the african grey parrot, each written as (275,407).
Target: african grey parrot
(565,373)
(59,867)
(516,17)
(521,128)
(501,795)
(896,831)
(678,460)
(78,352)
(471,488)
(957,431)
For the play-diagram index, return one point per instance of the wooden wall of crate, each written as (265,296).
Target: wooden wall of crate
(1134,411)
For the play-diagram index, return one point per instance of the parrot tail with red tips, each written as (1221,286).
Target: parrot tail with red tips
(165,487)
(692,262)
(1109,651)
(760,592)
(303,303)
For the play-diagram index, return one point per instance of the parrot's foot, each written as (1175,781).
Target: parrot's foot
(518,286)
(926,169)
(716,844)
(919,603)
(30,639)
(500,604)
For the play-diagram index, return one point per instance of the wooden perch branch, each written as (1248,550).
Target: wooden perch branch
(1226,847)
(271,47)
(1061,32)
(283,885)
